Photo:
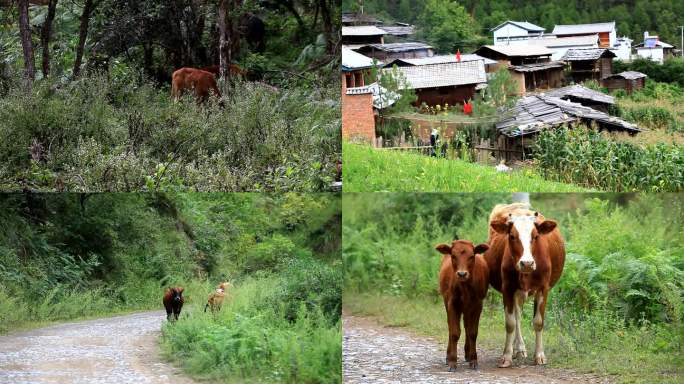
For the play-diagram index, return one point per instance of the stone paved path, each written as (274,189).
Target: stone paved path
(373,353)
(121,349)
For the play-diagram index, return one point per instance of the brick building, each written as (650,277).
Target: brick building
(358,119)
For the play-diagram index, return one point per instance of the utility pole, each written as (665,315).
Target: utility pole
(681,47)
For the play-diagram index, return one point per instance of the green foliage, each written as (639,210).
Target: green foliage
(501,89)
(394,81)
(445,24)
(246,336)
(121,134)
(671,71)
(367,169)
(585,157)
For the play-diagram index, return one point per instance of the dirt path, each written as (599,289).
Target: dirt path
(373,353)
(121,349)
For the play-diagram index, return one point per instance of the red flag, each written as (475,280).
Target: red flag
(458,55)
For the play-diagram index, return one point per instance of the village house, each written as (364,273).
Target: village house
(440,80)
(589,64)
(358,119)
(441,59)
(560,45)
(352,18)
(406,50)
(518,130)
(606,32)
(530,65)
(623,48)
(362,34)
(515,32)
(628,80)
(654,49)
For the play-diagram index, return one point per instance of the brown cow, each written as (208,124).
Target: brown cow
(529,253)
(463,283)
(216,298)
(192,79)
(173,302)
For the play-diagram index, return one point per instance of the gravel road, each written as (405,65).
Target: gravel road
(373,353)
(121,349)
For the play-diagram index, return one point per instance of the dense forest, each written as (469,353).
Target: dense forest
(632,17)
(65,256)
(85,95)
(620,294)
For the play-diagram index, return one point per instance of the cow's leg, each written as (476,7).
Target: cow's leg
(168,314)
(538,322)
(454,319)
(471,322)
(519,344)
(509,315)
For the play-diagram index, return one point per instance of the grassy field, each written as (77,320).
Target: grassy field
(629,355)
(367,169)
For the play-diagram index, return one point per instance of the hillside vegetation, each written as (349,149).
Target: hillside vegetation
(69,256)
(620,294)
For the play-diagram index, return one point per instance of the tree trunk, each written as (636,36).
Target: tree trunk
(327,27)
(26,43)
(82,35)
(45,36)
(224,39)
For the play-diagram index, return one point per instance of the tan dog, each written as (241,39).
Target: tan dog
(216,298)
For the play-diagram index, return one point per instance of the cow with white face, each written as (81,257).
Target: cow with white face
(528,252)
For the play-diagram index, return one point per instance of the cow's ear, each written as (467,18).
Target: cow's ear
(481,248)
(444,249)
(500,226)
(546,226)
(181,289)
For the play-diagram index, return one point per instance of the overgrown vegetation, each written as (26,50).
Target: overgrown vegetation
(65,256)
(96,114)
(670,71)
(122,134)
(621,291)
(586,157)
(367,169)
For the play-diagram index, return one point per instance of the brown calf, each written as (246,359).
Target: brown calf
(529,252)
(216,298)
(196,80)
(173,302)
(463,283)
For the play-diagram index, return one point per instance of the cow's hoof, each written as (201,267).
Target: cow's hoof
(452,366)
(473,364)
(520,354)
(505,362)
(540,359)
(446,361)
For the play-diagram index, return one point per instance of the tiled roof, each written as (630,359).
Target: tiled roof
(443,75)
(398,30)
(353,60)
(586,54)
(441,59)
(519,50)
(629,75)
(580,92)
(533,113)
(575,29)
(362,30)
(534,67)
(399,47)
(522,24)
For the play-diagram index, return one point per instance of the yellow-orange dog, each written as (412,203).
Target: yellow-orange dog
(216,298)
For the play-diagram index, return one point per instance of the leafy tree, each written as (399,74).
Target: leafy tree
(445,24)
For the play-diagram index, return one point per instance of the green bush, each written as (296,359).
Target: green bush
(102,133)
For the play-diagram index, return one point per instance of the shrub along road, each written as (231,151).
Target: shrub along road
(378,354)
(120,349)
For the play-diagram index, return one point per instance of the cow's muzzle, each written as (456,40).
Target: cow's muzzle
(526,266)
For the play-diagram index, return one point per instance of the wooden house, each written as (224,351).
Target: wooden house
(405,50)
(589,63)
(628,80)
(606,32)
(529,65)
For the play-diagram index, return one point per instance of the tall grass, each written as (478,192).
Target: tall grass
(252,338)
(367,169)
(109,134)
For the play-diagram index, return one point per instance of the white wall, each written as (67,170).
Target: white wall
(655,54)
(506,31)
